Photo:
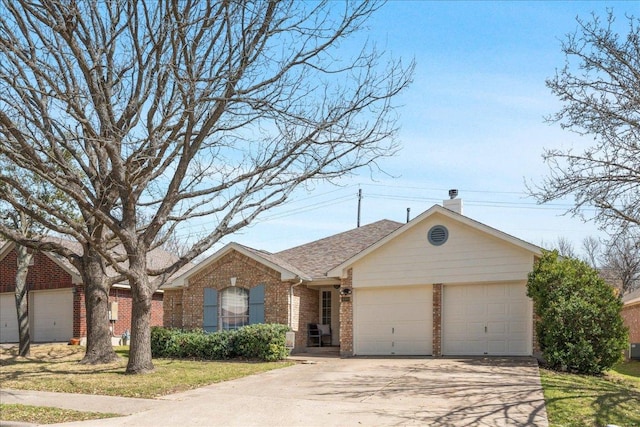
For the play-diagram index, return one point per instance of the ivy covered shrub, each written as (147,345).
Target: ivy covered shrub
(262,341)
(579,325)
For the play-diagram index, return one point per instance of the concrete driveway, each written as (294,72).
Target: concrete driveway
(360,392)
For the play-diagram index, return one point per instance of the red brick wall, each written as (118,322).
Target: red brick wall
(172,308)
(46,274)
(43,274)
(631,317)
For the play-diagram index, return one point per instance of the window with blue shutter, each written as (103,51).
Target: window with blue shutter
(256,305)
(210,323)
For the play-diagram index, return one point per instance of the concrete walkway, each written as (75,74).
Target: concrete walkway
(337,392)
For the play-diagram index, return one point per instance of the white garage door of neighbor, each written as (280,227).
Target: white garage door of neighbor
(393,321)
(8,318)
(486,319)
(52,314)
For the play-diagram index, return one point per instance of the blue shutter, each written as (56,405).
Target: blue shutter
(256,305)
(210,323)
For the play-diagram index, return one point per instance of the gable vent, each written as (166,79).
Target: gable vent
(438,235)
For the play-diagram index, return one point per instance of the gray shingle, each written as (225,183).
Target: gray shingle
(318,257)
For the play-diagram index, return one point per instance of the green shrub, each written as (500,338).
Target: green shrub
(262,341)
(159,340)
(579,325)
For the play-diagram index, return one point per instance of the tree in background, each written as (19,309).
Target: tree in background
(182,111)
(565,247)
(621,259)
(579,326)
(598,86)
(591,247)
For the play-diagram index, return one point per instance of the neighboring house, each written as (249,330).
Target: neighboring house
(631,317)
(56,298)
(441,284)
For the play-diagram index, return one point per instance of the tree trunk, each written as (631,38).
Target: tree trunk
(142,293)
(140,351)
(99,348)
(24,258)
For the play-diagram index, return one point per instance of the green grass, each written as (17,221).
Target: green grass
(46,415)
(56,368)
(582,400)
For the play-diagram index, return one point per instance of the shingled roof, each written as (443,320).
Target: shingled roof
(318,257)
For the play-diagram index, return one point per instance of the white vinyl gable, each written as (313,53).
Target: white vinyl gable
(468,256)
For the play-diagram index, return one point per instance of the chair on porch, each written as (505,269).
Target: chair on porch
(317,334)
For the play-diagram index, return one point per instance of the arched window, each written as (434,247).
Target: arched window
(234,308)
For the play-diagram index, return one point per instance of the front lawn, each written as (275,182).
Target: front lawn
(55,368)
(582,400)
(46,415)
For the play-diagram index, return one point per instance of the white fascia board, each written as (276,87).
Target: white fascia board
(6,248)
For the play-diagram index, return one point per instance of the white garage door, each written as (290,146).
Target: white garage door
(8,318)
(486,319)
(393,321)
(52,314)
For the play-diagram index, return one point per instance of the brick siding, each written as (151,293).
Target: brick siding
(631,317)
(437,320)
(346,317)
(45,274)
(184,308)
(172,308)
(308,312)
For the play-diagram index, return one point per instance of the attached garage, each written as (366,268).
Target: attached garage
(8,318)
(474,300)
(52,313)
(393,321)
(486,319)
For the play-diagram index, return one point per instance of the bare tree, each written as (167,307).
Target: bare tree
(565,247)
(592,251)
(621,259)
(27,225)
(599,88)
(21,223)
(180,110)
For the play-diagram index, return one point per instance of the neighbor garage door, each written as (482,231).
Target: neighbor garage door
(393,321)
(486,319)
(52,315)
(8,318)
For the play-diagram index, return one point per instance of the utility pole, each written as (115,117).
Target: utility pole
(359,203)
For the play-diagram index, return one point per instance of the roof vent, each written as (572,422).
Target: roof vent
(453,193)
(438,235)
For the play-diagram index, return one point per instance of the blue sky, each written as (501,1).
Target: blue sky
(473,120)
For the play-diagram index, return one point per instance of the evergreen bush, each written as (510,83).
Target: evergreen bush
(579,326)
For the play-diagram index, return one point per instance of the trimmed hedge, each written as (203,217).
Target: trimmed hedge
(262,341)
